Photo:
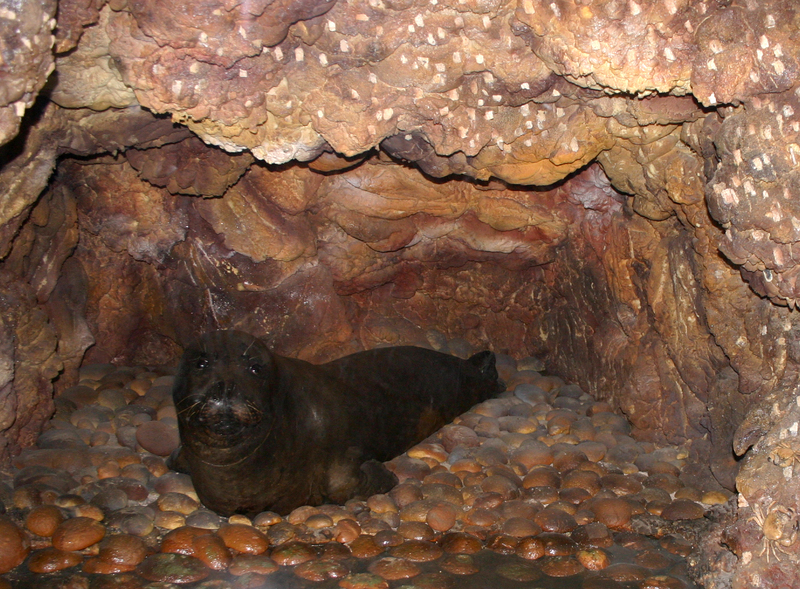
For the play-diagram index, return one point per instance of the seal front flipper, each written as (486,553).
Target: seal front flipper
(177,461)
(351,479)
(375,478)
(485,363)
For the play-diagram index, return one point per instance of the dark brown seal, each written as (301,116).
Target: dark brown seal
(264,432)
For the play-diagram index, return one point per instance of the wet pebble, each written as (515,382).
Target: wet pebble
(594,534)
(203,518)
(662,582)
(682,509)
(417,551)
(243,538)
(44,520)
(252,563)
(530,548)
(178,502)
(211,550)
(541,473)
(172,568)
(442,517)
(78,533)
(459,564)
(593,559)
(158,437)
(394,569)
(552,519)
(522,572)
(363,581)
(321,570)
(50,560)
(365,547)
(123,549)
(614,512)
(520,527)
(677,545)
(562,566)
(460,543)
(293,553)
(625,573)
(415,530)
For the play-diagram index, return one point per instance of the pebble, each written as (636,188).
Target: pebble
(562,566)
(203,518)
(293,553)
(252,563)
(321,570)
(363,581)
(158,438)
(417,551)
(519,571)
(394,569)
(211,550)
(172,568)
(123,549)
(13,545)
(682,509)
(50,560)
(44,520)
(78,533)
(593,559)
(614,512)
(541,482)
(243,538)
(178,502)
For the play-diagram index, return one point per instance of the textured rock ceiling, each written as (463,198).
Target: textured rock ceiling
(610,185)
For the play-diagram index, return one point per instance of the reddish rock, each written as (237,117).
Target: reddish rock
(158,437)
(13,545)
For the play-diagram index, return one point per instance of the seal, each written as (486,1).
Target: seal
(261,431)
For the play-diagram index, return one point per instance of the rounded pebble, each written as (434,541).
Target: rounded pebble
(459,564)
(44,520)
(172,568)
(519,571)
(321,570)
(50,560)
(562,566)
(252,563)
(78,533)
(363,581)
(394,569)
(123,549)
(682,509)
(293,553)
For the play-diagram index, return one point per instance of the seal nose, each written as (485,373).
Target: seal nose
(218,413)
(218,398)
(221,391)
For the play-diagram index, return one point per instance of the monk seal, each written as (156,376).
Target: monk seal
(263,432)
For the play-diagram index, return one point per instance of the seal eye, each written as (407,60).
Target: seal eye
(256,369)
(201,363)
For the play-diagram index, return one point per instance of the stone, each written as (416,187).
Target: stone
(158,437)
(13,545)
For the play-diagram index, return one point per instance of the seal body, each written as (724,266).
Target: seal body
(263,432)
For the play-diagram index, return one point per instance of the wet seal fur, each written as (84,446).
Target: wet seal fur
(263,432)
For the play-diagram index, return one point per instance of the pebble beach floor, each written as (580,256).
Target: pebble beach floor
(541,487)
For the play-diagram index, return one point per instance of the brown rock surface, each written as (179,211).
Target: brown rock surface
(608,186)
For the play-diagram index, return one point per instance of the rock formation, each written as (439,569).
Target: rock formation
(608,185)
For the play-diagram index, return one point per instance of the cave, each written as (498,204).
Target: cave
(604,187)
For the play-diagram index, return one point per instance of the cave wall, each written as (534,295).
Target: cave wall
(607,185)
